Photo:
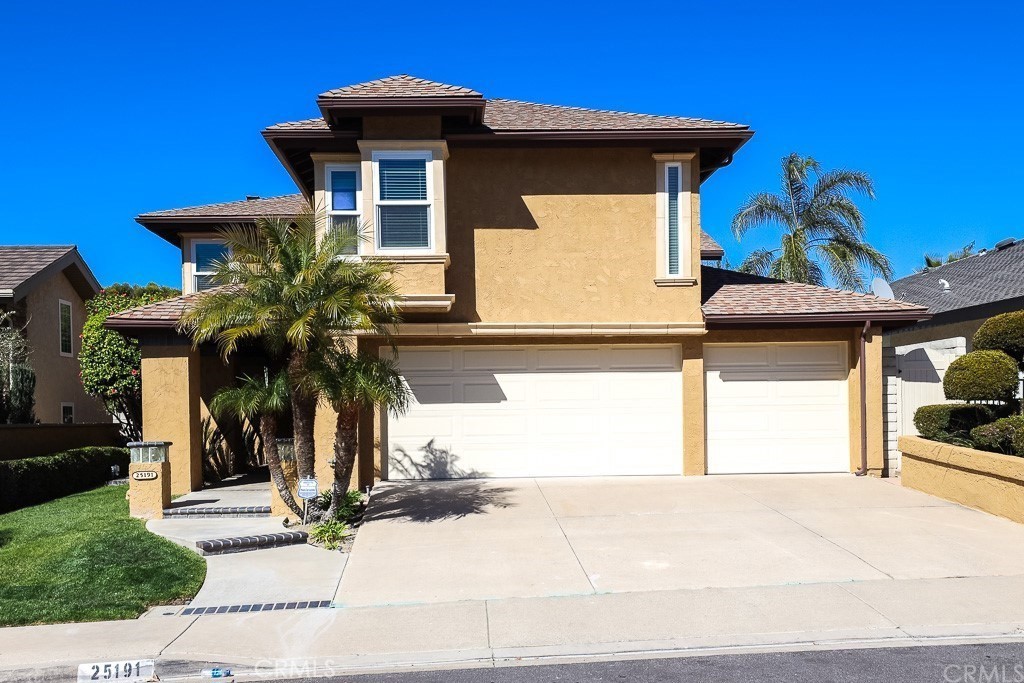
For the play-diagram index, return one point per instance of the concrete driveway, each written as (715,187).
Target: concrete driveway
(519,538)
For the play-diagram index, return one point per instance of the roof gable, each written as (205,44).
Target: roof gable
(22,268)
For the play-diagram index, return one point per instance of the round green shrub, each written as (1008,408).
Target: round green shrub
(1003,333)
(941,421)
(999,436)
(981,376)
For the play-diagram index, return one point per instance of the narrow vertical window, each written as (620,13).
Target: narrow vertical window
(343,204)
(403,203)
(66,332)
(205,255)
(672,190)
(67,413)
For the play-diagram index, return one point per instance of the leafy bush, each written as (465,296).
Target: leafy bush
(18,394)
(31,481)
(329,533)
(939,422)
(999,436)
(349,508)
(1003,333)
(981,376)
(111,363)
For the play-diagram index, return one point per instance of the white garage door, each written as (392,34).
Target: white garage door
(518,411)
(777,408)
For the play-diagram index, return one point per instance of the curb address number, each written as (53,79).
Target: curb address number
(128,670)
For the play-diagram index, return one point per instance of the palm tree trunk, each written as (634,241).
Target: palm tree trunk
(303,416)
(268,434)
(344,454)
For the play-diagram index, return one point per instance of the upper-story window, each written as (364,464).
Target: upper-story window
(403,200)
(66,331)
(345,200)
(205,254)
(673,195)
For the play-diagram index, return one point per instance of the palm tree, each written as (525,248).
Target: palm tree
(261,401)
(932,261)
(353,382)
(823,229)
(297,294)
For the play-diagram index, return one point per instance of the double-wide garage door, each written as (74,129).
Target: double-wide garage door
(524,411)
(777,408)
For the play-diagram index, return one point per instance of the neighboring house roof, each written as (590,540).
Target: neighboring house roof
(22,268)
(728,297)
(291,204)
(981,280)
(736,298)
(516,116)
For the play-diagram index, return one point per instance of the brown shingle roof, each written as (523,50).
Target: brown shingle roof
(400,86)
(728,296)
(18,264)
(164,313)
(709,248)
(283,205)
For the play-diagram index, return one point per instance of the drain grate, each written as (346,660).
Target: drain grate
(255,607)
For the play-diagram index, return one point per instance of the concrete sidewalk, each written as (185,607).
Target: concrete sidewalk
(490,632)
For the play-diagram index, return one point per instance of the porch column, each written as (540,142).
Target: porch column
(694,454)
(171,410)
(872,396)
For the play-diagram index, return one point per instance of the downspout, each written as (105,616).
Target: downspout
(862,362)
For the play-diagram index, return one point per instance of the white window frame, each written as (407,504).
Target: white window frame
(61,303)
(64,405)
(358,213)
(678,166)
(428,157)
(195,263)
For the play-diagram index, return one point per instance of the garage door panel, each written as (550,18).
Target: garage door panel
(791,417)
(426,392)
(573,411)
(429,359)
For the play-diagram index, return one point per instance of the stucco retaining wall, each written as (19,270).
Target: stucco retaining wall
(987,481)
(29,441)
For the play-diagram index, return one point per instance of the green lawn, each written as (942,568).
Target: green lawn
(82,558)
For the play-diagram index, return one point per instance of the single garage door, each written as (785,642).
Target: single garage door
(777,408)
(534,411)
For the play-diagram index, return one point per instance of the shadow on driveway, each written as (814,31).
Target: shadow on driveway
(437,501)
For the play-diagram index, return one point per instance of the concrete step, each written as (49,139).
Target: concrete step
(211,512)
(239,544)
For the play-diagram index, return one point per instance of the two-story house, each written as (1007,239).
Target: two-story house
(557,318)
(46,287)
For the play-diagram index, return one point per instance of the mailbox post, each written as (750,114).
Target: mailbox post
(149,479)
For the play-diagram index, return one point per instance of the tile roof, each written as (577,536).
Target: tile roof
(993,276)
(283,205)
(725,294)
(18,264)
(729,294)
(709,248)
(401,86)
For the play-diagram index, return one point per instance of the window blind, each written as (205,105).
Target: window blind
(672,189)
(404,226)
(343,190)
(403,179)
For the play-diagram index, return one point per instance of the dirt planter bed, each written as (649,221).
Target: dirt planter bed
(987,481)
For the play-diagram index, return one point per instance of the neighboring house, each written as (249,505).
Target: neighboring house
(558,320)
(960,296)
(47,286)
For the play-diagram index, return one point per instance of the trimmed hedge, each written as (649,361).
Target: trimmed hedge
(1003,333)
(981,376)
(31,481)
(938,422)
(1000,436)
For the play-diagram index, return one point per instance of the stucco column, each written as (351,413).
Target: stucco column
(171,410)
(872,396)
(694,453)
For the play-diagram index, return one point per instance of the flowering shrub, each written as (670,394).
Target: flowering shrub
(110,362)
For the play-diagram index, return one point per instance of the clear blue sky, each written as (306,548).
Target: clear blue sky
(112,109)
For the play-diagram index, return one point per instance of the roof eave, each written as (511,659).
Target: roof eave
(888,317)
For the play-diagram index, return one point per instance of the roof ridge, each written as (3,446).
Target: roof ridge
(404,79)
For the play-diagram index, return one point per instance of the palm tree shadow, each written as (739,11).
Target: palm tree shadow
(438,500)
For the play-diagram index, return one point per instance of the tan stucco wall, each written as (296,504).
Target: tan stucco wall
(149,498)
(402,127)
(560,235)
(965,329)
(987,481)
(171,410)
(57,376)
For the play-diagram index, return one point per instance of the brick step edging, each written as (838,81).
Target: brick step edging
(239,544)
(206,512)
